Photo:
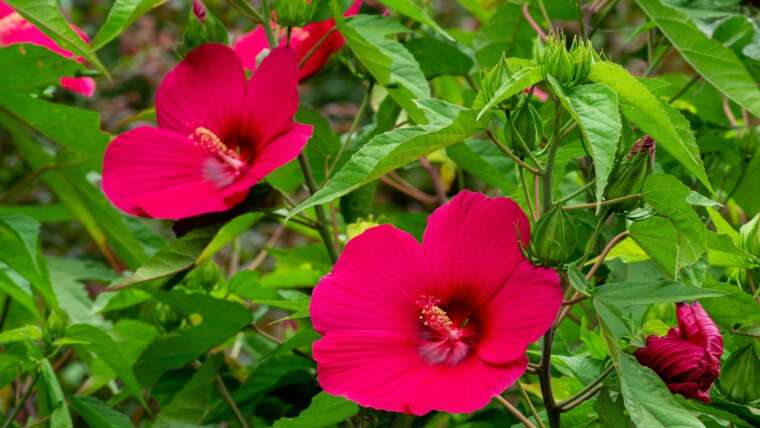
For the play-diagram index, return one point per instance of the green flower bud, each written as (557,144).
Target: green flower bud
(55,326)
(526,129)
(569,67)
(490,81)
(630,173)
(749,236)
(553,239)
(583,56)
(740,375)
(294,13)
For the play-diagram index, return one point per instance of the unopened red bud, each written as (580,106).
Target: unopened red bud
(199,10)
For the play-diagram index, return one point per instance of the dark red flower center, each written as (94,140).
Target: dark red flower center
(446,337)
(225,164)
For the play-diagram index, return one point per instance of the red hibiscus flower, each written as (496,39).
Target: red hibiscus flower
(217,136)
(14,29)
(688,357)
(302,40)
(442,325)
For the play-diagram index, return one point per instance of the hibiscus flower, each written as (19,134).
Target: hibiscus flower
(443,325)
(217,136)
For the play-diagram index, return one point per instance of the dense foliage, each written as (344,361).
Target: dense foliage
(625,130)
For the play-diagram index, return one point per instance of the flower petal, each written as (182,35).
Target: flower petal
(271,97)
(154,172)
(249,47)
(383,370)
(472,245)
(696,326)
(520,313)
(80,85)
(306,38)
(204,90)
(373,286)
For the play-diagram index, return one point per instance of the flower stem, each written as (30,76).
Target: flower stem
(20,404)
(265,22)
(316,47)
(587,392)
(545,379)
(603,203)
(530,404)
(516,413)
(510,154)
(230,402)
(322,225)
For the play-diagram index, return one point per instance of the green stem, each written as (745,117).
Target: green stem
(510,154)
(526,192)
(585,187)
(581,24)
(603,203)
(684,89)
(20,404)
(352,130)
(231,402)
(319,209)
(602,17)
(587,392)
(550,157)
(265,22)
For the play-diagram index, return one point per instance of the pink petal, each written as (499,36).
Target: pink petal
(275,154)
(472,244)
(204,90)
(520,313)
(250,46)
(271,97)
(5,10)
(382,370)
(80,85)
(158,173)
(373,286)
(696,326)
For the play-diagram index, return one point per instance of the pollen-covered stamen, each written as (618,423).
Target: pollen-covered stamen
(205,138)
(435,318)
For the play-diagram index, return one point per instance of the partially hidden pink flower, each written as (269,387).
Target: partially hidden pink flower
(443,325)
(688,357)
(302,40)
(217,136)
(14,29)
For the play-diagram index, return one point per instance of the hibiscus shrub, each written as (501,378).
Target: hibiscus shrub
(379,213)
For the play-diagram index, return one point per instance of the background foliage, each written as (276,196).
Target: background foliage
(112,321)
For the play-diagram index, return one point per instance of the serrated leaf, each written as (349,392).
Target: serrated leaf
(123,13)
(449,124)
(716,63)
(325,410)
(645,293)
(29,68)
(386,59)
(595,108)
(648,401)
(644,109)
(47,16)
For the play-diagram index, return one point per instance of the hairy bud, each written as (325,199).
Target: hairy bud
(525,130)
(294,13)
(567,66)
(630,173)
(553,238)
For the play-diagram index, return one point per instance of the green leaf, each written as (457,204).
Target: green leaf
(645,293)
(21,334)
(483,160)
(29,68)
(220,319)
(449,124)
(17,289)
(59,411)
(439,58)
(740,375)
(46,15)
(48,213)
(75,128)
(647,112)
(734,308)
(19,236)
(386,59)
(190,405)
(716,63)
(410,9)
(98,414)
(325,410)
(659,238)
(519,81)
(493,40)
(123,13)
(595,108)
(101,344)
(227,234)
(649,402)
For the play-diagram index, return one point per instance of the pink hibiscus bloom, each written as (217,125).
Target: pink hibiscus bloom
(14,29)
(688,357)
(217,136)
(439,326)
(302,40)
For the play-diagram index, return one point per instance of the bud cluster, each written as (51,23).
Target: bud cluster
(630,173)
(568,66)
(294,13)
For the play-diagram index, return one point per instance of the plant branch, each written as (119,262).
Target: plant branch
(587,392)
(402,186)
(602,203)
(435,178)
(516,413)
(316,47)
(685,88)
(530,405)
(510,154)
(230,402)
(267,27)
(545,379)
(319,209)
(537,28)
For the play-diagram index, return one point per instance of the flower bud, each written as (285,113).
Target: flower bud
(526,129)
(55,326)
(740,380)
(553,240)
(688,357)
(490,81)
(749,236)
(630,173)
(199,10)
(294,13)
(568,67)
